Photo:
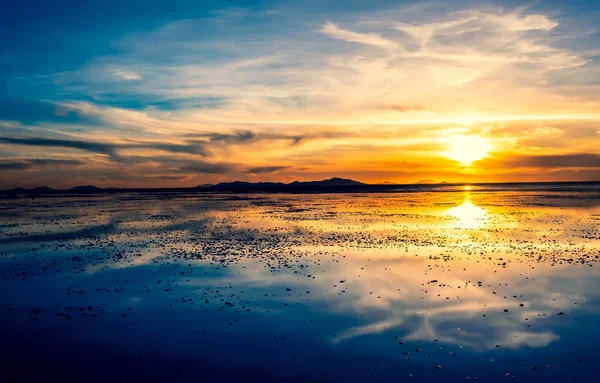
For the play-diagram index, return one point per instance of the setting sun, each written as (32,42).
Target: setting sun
(467,149)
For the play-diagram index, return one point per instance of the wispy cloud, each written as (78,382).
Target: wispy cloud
(265,169)
(28,163)
(334,31)
(192,147)
(308,76)
(126,75)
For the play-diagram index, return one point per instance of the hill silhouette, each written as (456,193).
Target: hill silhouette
(32,193)
(43,189)
(84,188)
(430,182)
(296,186)
(335,181)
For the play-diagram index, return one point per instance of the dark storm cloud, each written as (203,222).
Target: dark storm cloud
(25,164)
(265,169)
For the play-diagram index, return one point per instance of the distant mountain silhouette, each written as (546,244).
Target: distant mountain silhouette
(335,181)
(242,186)
(204,185)
(332,185)
(430,182)
(296,186)
(42,189)
(35,192)
(32,193)
(86,188)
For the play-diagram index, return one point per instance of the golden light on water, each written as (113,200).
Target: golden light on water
(467,149)
(468,215)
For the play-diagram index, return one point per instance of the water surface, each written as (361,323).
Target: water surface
(431,286)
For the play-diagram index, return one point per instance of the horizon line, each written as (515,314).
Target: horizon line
(359,183)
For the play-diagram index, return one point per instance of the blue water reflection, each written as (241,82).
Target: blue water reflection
(430,286)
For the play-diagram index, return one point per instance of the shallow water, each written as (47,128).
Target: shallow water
(445,286)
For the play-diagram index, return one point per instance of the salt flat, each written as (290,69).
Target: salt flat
(444,286)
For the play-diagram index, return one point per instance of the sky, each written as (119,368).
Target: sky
(181,93)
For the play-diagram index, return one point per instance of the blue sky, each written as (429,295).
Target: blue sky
(347,77)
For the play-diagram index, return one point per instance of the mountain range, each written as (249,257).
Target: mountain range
(241,186)
(335,181)
(331,185)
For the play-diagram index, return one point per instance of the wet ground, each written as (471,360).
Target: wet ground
(445,286)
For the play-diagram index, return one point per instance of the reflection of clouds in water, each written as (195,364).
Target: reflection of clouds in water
(448,320)
(519,338)
(389,289)
(388,250)
(473,315)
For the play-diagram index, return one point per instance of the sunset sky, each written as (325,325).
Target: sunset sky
(181,93)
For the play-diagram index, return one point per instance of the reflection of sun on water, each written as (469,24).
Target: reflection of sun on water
(468,215)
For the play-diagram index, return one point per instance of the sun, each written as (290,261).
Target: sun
(467,149)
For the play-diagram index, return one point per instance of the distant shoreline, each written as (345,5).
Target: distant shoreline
(317,188)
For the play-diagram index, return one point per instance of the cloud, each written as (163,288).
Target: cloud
(127,75)
(247,136)
(373,39)
(399,108)
(491,25)
(265,169)
(89,146)
(26,164)
(494,62)
(207,167)
(192,147)
(575,160)
(236,138)
(170,177)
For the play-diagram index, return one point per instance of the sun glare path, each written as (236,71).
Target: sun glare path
(468,215)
